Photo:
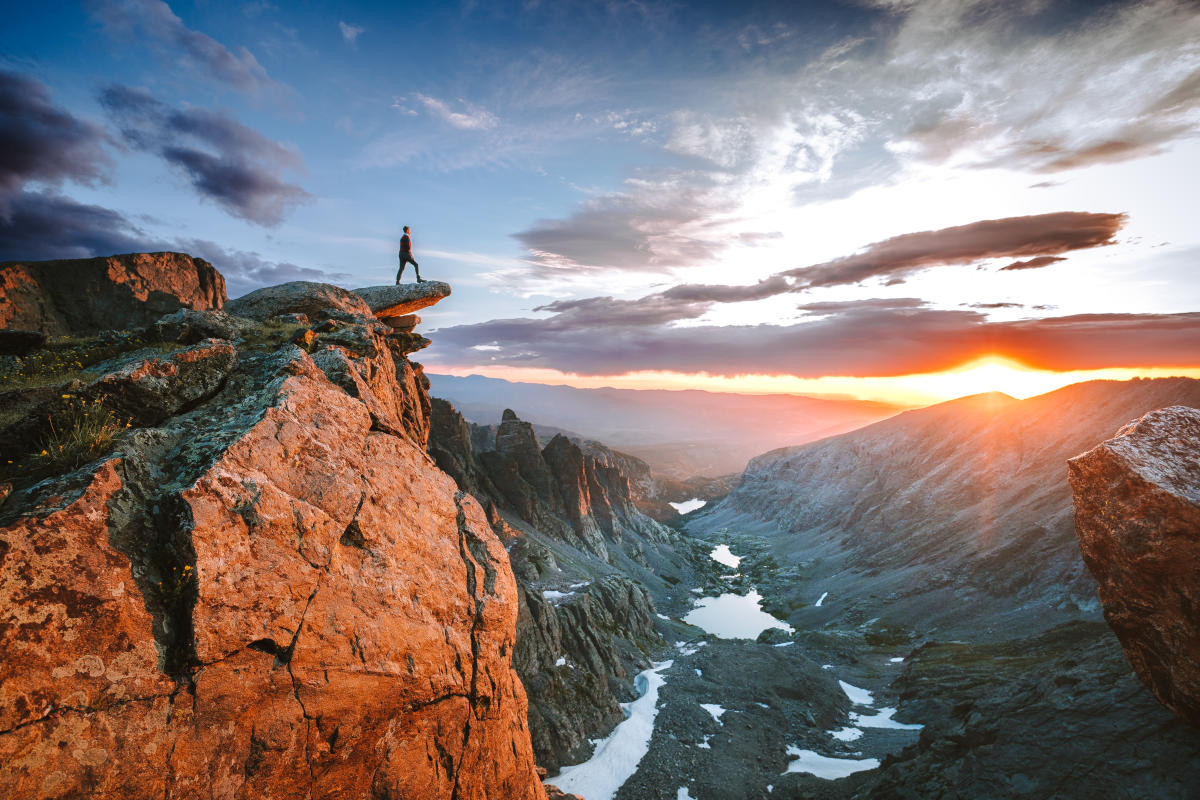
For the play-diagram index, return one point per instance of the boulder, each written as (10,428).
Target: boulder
(394,301)
(315,300)
(87,295)
(188,326)
(1137,519)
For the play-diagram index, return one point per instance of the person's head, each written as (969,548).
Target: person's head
(406,229)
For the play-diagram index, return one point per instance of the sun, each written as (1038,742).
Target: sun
(990,373)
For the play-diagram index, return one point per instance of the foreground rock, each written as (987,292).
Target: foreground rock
(1137,518)
(395,301)
(87,295)
(270,594)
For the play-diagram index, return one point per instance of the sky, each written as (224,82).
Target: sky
(900,200)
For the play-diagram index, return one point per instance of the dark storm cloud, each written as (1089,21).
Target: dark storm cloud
(41,142)
(870,338)
(40,225)
(1033,263)
(1013,237)
(245,271)
(153,22)
(239,169)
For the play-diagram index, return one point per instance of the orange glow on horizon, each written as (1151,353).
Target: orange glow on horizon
(986,374)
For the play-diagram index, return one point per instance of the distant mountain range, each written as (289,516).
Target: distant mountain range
(679,433)
(943,516)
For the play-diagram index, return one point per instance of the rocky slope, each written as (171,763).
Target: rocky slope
(1137,518)
(266,589)
(935,514)
(935,551)
(88,295)
(590,565)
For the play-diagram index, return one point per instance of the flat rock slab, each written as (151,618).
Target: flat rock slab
(316,300)
(394,301)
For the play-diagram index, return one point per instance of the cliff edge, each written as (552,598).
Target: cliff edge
(265,589)
(1137,518)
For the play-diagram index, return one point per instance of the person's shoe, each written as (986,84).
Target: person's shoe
(420,280)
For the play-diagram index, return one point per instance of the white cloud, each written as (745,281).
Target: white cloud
(472,118)
(350,32)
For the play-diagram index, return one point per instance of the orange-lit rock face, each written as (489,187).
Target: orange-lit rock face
(116,292)
(1137,518)
(351,632)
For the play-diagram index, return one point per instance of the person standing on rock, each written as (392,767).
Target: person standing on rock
(406,257)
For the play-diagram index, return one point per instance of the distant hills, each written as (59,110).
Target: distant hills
(679,433)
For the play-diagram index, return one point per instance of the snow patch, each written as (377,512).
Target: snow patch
(896,660)
(551,594)
(687,507)
(722,555)
(826,767)
(682,794)
(821,600)
(715,710)
(617,757)
(883,720)
(860,697)
(562,661)
(846,734)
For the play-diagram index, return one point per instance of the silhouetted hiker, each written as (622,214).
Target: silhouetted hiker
(406,257)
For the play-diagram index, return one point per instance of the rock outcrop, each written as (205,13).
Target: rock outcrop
(1137,518)
(269,593)
(559,489)
(396,301)
(88,295)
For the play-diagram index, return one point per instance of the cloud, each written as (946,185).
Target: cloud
(153,22)
(882,337)
(238,170)
(469,120)
(42,142)
(1038,236)
(1033,263)
(350,32)
(657,225)
(41,225)
(247,270)
(1008,89)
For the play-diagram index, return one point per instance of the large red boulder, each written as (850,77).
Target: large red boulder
(1137,518)
(87,295)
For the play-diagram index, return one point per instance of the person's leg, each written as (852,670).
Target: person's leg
(417,269)
(400,274)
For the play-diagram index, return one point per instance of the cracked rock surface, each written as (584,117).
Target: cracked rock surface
(274,593)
